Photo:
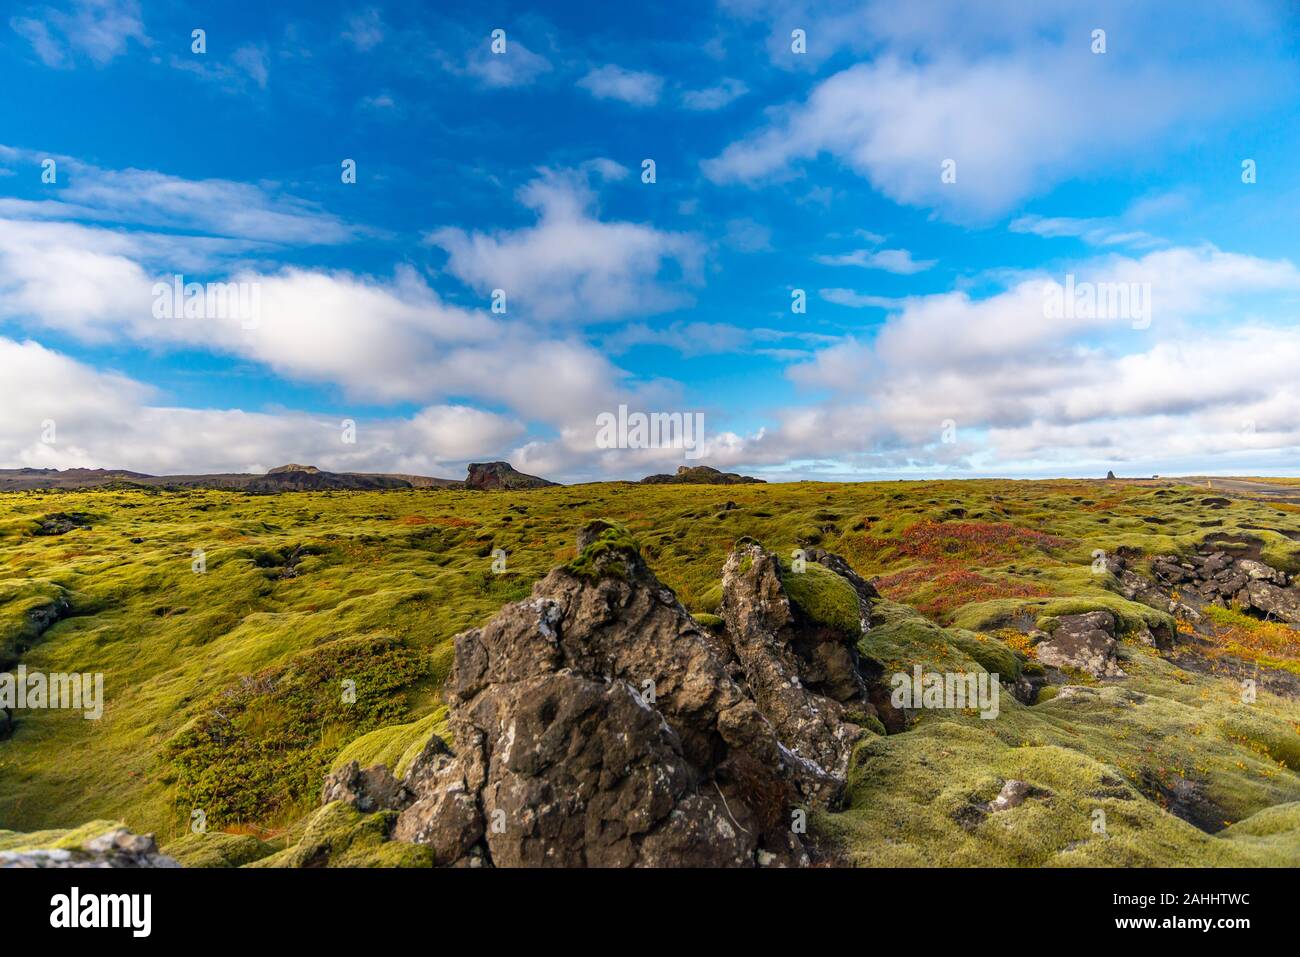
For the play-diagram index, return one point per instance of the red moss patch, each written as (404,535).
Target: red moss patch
(937,590)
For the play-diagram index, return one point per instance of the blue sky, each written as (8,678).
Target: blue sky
(925,349)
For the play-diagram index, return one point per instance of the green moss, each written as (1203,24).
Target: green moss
(337,835)
(65,839)
(1273,833)
(262,746)
(712,622)
(601,556)
(1130,615)
(395,746)
(864,720)
(27,607)
(901,638)
(217,849)
(710,601)
(992,655)
(824,597)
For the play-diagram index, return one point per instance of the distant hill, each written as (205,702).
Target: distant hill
(283,478)
(699,475)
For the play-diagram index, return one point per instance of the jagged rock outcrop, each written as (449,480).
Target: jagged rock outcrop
(114,848)
(700,475)
(1085,641)
(490,476)
(801,671)
(597,724)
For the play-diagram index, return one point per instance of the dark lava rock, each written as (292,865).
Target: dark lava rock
(60,523)
(1222,578)
(787,661)
(374,789)
(596,724)
(1085,641)
(1280,603)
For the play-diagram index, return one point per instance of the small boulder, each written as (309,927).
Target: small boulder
(116,848)
(374,789)
(1258,571)
(1013,794)
(1282,603)
(1085,641)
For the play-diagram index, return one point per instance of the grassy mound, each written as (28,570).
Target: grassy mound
(395,746)
(824,597)
(338,836)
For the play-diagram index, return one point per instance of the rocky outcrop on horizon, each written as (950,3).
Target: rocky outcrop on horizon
(492,476)
(700,475)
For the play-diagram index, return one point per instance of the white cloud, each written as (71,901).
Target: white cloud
(1094,231)
(252,60)
(145,197)
(1032,393)
(365,30)
(612,82)
(747,236)
(725,92)
(936,84)
(387,341)
(517,66)
(896,122)
(245,69)
(898,261)
(572,265)
(856,300)
(463,432)
(97,29)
